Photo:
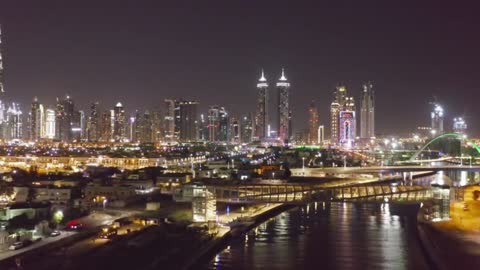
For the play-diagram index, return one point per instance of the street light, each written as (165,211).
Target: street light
(104,203)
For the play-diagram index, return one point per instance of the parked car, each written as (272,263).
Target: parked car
(16,245)
(55,233)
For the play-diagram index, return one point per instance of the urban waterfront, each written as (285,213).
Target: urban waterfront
(330,236)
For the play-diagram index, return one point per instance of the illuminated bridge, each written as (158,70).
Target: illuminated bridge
(302,193)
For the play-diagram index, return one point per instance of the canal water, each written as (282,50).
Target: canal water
(330,236)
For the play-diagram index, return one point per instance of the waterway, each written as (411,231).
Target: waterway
(330,236)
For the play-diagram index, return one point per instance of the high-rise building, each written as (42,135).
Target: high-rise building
(2,89)
(64,118)
(339,97)
(169,121)
(261,117)
(157,125)
(186,120)
(367,112)
(119,127)
(218,124)
(14,122)
(437,120)
(106,126)
(313,122)
(235,130)
(284,113)
(321,134)
(143,128)
(78,126)
(50,118)
(347,123)
(37,121)
(93,124)
(246,126)
(459,125)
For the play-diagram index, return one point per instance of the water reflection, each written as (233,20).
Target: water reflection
(335,236)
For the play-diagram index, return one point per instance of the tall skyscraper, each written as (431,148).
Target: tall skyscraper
(347,123)
(261,118)
(313,122)
(169,121)
(2,89)
(321,134)
(37,121)
(284,113)
(93,128)
(105,127)
(235,130)
(64,118)
(367,112)
(119,127)
(246,126)
(338,102)
(14,120)
(218,124)
(50,124)
(143,132)
(437,120)
(186,120)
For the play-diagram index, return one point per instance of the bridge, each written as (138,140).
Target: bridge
(303,193)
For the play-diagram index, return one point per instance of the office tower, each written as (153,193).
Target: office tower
(37,121)
(119,127)
(459,125)
(313,121)
(50,118)
(246,126)
(185,124)
(367,112)
(261,118)
(143,132)
(169,121)
(218,124)
(93,124)
(105,127)
(347,123)
(437,120)
(157,125)
(203,128)
(78,126)
(321,134)
(2,86)
(14,122)
(284,113)
(337,105)
(235,130)
(64,119)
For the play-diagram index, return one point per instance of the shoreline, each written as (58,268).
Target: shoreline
(217,245)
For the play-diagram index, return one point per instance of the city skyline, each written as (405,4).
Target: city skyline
(56,72)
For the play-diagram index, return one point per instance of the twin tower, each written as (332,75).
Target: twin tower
(275,124)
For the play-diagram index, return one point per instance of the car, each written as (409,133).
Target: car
(55,233)
(16,245)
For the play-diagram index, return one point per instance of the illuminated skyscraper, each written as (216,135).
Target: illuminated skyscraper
(339,97)
(37,121)
(321,134)
(64,118)
(50,124)
(14,120)
(313,121)
(119,127)
(235,130)
(218,124)
(247,128)
(186,120)
(347,123)
(367,112)
(2,89)
(437,120)
(261,118)
(284,113)
(169,121)
(142,127)
(93,123)
(105,127)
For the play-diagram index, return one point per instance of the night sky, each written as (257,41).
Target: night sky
(213,51)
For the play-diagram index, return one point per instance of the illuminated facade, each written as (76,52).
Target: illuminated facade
(347,123)
(119,127)
(339,97)
(367,112)
(37,121)
(50,124)
(235,130)
(284,114)
(321,134)
(64,118)
(247,128)
(437,120)
(169,121)
(218,124)
(313,120)
(93,124)
(186,120)
(261,118)
(14,120)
